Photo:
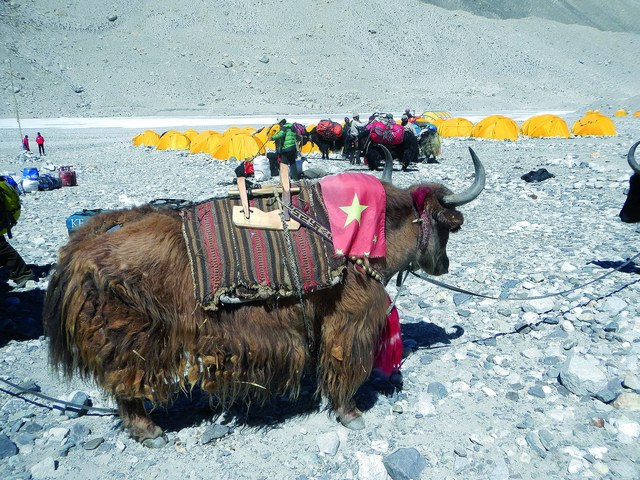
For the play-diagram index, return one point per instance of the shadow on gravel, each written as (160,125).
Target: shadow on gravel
(195,408)
(428,334)
(21,310)
(631,268)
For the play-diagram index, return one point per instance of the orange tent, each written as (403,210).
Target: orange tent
(496,127)
(174,141)
(594,124)
(454,127)
(545,126)
(636,113)
(208,144)
(190,134)
(148,138)
(241,146)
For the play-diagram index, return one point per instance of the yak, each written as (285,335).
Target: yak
(406,152)
(630,212)
(120,309)
(326,144)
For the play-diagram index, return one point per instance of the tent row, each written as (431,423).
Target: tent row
(237,142)
(499,127)
(247,142)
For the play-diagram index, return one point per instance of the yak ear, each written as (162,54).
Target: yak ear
(452,219)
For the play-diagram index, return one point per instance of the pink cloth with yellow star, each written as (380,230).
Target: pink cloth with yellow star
(356,205)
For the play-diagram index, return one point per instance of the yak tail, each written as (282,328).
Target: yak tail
(67,295)
(60,353)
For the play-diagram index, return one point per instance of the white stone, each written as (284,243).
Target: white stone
(541,305)
(46,468)
(370,467)
(601,468)
(614,305)
(58,433)
(328,443)
(627,427)
(531,353)
(380,446)
(582,376)
(567,267)
(567,326)
(598,452)
(488,391)
(575,466)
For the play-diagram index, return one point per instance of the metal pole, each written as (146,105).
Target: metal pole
(15,99)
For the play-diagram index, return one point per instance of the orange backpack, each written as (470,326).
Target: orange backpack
(329,129)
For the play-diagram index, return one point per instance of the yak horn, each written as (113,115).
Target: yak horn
(631,158)
(388,165)
(473,191)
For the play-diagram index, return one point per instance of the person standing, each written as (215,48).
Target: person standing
(40,142)
(25,143)
(287,141)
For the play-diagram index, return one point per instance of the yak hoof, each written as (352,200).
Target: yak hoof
(353,420)
(157,442)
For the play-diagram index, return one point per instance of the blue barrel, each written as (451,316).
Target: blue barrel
(30,174)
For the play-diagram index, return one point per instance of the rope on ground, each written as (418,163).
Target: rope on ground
(67,405)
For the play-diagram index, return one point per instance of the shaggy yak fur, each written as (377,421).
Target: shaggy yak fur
(120,309)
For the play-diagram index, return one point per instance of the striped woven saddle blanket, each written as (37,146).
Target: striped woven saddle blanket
(233,264)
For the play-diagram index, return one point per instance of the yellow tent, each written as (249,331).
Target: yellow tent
(454,127)
(174,141)
(207,144)
(620,113)
(496,127)
(148,138)
(261,137)
(190,134)
(594,124)
(169,132)
(202,136)
(432,116)
(229,132)
(241,146)
(309,147)
(545,126)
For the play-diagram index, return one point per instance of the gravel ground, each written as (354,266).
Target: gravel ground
(492,389)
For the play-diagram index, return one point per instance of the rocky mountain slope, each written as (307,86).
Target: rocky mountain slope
(91,58)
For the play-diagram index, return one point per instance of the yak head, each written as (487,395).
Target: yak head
(630,212)
(435,214)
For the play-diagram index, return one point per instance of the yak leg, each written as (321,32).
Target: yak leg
(350,337)
(137,421)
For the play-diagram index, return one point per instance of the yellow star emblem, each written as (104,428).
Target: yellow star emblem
(354,211)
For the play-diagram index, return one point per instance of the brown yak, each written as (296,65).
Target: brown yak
(120,308)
